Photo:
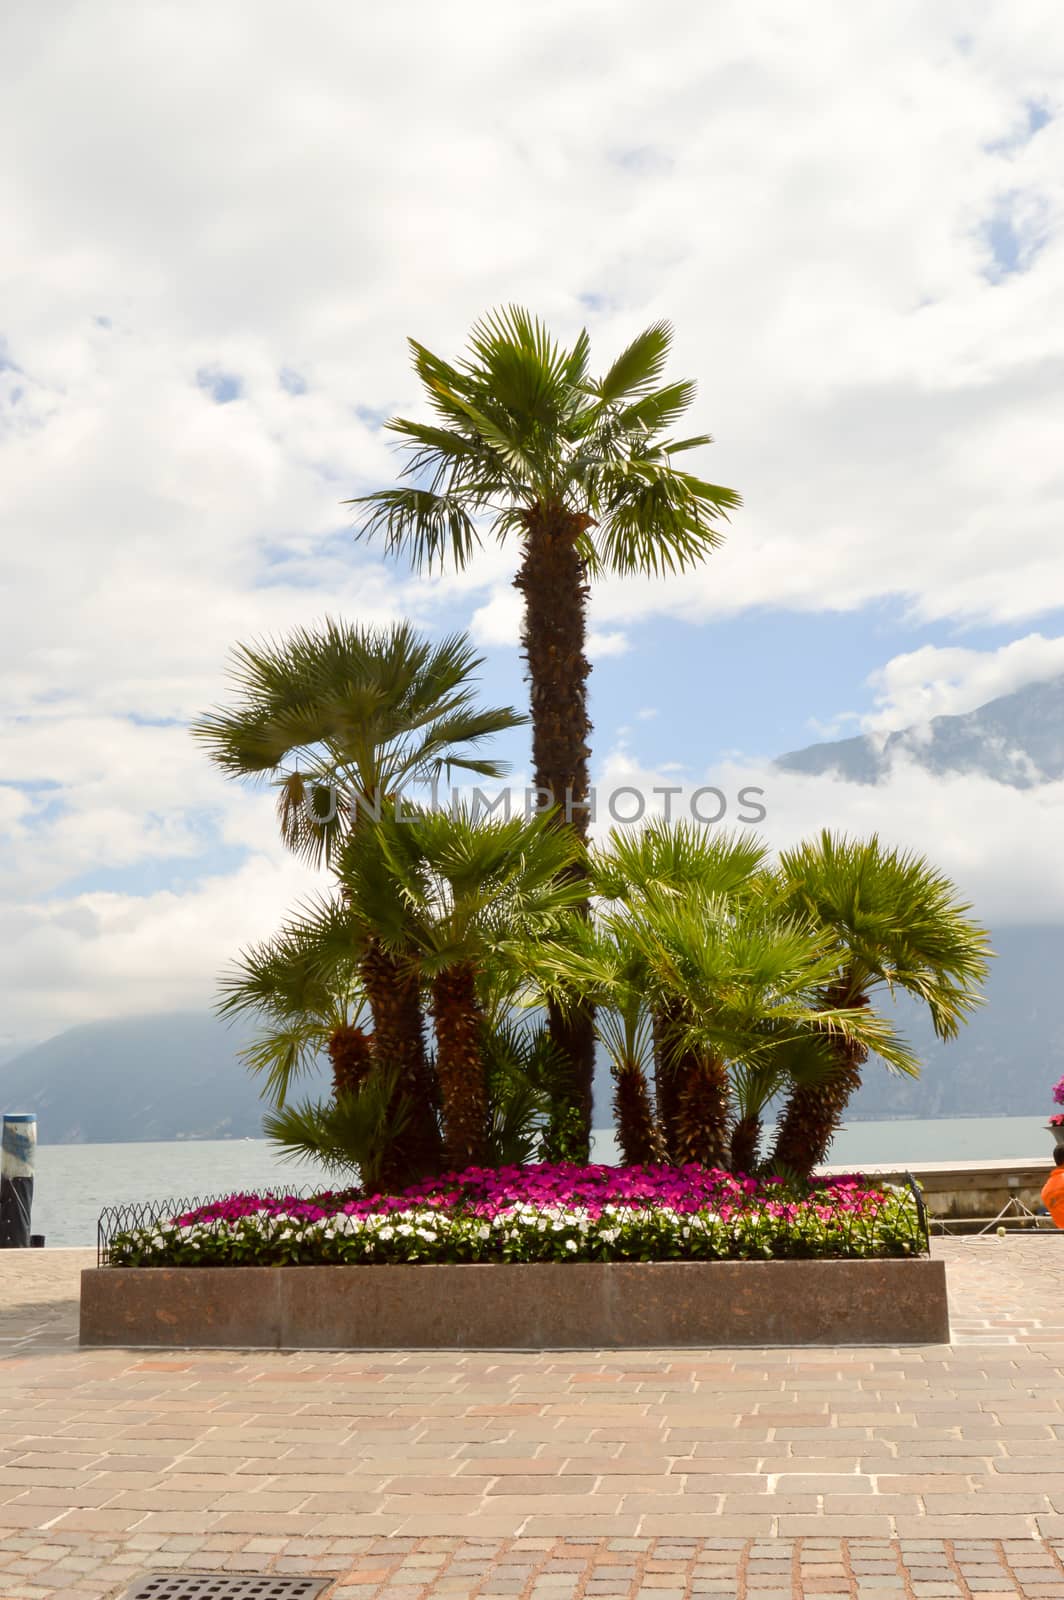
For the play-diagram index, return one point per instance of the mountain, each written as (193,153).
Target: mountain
(173,1075)
(1017,739)
(177,1076)
(1006,1059)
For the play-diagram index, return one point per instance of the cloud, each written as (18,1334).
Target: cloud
(101,955)
(947,681)
(613,643)
(999,845)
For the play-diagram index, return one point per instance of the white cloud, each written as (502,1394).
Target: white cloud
(934,681)
(1001,846)
(101,955)
(498,620)
(612,643)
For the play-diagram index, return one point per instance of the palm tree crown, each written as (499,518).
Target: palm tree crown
(524,431)
(894,921)
(342,717)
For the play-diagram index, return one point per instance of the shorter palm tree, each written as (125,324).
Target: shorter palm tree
(341,719)
(892,923)
(449,895)
(302,988)
(642,875)
(355,1134)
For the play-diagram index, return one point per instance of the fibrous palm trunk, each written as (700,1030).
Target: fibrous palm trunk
(553,581)
(813,1112)
(637,1131)
(746,1136)
(460,1064)
(394,996)
(351,1054)
(672,1066)
(702,1113)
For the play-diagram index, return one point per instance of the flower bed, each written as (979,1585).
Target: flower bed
(541,1214)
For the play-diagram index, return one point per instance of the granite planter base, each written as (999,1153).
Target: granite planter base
(547,1306)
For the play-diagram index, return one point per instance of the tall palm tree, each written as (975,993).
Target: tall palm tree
(450,893)
(585,475)
(340,719)
(894,923)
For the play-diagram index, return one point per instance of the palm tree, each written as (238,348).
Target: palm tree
(645,873)
(302,988)
(625,1029)
(742,988)
(340,719)
(894,922)
(583,474)
(448,894)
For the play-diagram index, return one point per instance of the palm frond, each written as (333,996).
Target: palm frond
(638,367)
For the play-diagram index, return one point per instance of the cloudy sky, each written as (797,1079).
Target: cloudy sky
(222,219)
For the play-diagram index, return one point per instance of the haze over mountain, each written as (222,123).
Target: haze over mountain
(177,1076)
(174,1075)
(1016,739)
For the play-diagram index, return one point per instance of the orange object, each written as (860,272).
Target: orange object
(1053,1195)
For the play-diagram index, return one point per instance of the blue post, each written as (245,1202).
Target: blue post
(18,1145)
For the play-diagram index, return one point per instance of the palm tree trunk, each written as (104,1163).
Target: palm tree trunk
(746,1136)
(394,996)
(351,1054)
(702,1114)
(553,581)
(671,1066)
(813,1112)
(460,1064)
(637,1132)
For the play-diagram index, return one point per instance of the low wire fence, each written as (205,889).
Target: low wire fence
(133,1214)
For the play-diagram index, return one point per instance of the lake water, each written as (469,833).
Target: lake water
(75,1180)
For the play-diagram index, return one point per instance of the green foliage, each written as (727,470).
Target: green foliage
(892,919)
(519,424)
(300,986)
(521,1070)
(339,718)
(350,1135)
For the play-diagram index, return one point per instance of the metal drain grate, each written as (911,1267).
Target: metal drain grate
(225,1586)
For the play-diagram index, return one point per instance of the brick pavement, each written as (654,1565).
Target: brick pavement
(860,1473)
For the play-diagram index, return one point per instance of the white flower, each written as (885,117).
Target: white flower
(387,1233)
(570,1244)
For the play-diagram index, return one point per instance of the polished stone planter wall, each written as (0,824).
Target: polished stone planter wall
(585,1305)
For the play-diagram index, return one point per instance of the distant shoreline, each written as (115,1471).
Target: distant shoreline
(601,1132)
